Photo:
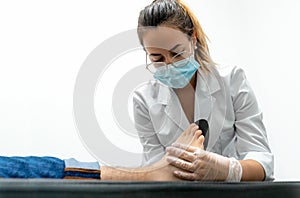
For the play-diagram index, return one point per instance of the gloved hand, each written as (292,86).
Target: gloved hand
(198,164)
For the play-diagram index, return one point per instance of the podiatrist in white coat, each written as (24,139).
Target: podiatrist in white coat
(238,147)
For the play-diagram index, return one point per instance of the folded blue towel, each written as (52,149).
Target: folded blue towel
(31,167)
(73,163)
(81,170)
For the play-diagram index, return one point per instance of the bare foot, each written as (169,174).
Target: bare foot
(198,140)
(192,136)
(162,171)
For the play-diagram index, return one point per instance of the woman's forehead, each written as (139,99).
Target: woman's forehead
(163,38)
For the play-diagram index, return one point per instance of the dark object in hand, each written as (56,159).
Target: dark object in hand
(203,126)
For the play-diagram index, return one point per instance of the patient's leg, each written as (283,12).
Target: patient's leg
(159,171)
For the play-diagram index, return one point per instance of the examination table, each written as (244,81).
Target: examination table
(92,188)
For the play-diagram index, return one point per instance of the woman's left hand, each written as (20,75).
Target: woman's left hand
(198,164)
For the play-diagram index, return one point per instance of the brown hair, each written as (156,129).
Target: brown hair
(175,13)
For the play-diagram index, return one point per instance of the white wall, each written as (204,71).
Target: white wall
(44,43)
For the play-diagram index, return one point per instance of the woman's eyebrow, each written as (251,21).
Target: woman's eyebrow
(173,48)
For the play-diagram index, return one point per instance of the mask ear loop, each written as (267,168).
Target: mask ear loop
(194,39)
(192,49)
(193,52)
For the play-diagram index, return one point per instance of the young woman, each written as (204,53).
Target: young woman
(189,86)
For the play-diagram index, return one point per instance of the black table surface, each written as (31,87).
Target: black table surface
(87,188)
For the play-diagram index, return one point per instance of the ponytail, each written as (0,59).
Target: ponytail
(202,54)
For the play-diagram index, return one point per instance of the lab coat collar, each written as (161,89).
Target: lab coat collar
(207,85)
(207,88)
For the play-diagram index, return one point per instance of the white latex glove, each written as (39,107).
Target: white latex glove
(198,164)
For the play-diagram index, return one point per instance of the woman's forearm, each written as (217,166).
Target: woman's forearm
(252,170)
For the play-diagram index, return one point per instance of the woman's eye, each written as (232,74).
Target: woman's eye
(174,54)
(157,59)
(177,54)
(160,60)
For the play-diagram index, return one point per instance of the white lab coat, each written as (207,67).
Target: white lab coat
(224,98)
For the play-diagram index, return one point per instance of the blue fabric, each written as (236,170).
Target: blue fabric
(85,170)
(31,167)
(82,175)
(73,163)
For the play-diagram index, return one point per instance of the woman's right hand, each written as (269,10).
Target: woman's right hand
(197,164)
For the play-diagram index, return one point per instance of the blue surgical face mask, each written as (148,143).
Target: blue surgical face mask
(177,77)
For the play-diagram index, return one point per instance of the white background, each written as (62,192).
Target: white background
(44,43)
